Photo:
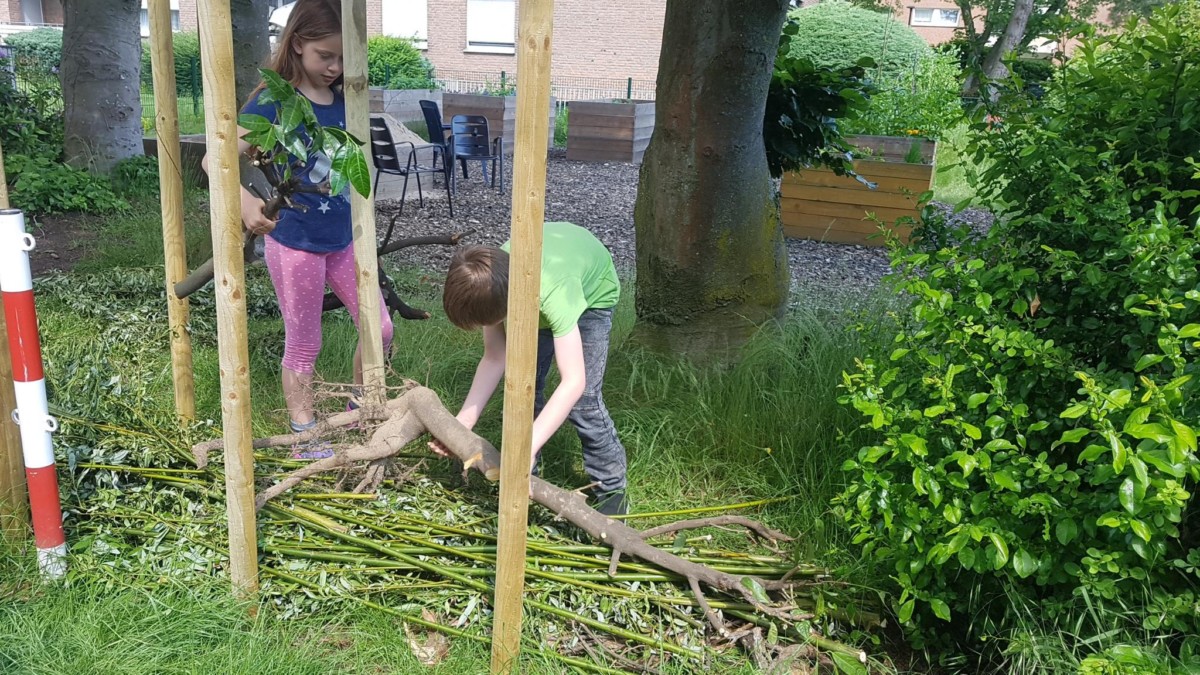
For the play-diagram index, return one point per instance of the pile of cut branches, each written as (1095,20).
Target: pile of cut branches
(407,545)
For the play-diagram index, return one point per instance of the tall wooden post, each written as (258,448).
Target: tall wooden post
(220,119)
(170,187)
(534,28)
(362,209)
(14,503)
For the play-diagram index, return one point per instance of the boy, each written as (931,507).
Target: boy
(579,289)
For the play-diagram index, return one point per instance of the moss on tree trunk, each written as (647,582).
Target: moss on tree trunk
(711,264)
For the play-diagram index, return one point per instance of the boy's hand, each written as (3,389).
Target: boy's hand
(439,448)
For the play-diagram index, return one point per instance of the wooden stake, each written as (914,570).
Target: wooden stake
(170,186)
(362,209)
(534,29)
(220,119)
(14,503)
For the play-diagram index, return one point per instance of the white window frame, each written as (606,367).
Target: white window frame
(145,18)
(937,17)
(413,12)
(488,22)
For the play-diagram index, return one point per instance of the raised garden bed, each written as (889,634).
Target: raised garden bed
(500,111)
(818,204)
(608,130)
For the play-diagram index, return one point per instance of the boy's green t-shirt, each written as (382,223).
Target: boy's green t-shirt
(577,275)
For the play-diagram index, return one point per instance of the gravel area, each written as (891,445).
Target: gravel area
(600,197)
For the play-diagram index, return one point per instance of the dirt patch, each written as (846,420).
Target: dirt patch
(60,242)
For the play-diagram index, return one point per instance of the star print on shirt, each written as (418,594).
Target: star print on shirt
(324,207)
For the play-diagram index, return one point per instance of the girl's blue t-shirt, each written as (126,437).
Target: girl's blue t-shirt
(325,226)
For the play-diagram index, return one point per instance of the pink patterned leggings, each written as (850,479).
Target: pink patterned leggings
(300,278)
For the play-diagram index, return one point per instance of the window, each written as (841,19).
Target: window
(925,16)
(407,19)
(31,12)
(491,26)
(146,17)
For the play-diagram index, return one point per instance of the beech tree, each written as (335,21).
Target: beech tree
(251,43)
(100,68)
(711,264)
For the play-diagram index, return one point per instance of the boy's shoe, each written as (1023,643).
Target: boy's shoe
(613,503)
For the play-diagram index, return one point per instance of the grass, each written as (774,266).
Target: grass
(191,114)
(767,427)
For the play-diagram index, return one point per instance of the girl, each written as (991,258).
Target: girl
(307,250)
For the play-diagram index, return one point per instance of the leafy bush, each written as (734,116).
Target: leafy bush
(922,100)
(837,35)
(41,44)
(1036,422)
(804,105)
(136,177)
(43,185)
(30,124)
(186,47)
(395,63)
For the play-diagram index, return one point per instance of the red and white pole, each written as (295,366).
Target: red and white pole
(32,413)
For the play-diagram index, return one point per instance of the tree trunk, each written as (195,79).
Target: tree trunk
(101,64)
(251,44)
(711,264)
(993,64)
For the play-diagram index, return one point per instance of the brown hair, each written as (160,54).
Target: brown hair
(476,292)
(310,20)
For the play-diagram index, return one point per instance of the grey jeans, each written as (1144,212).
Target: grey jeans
(603,454)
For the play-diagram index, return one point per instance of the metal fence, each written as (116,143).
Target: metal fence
(563,88)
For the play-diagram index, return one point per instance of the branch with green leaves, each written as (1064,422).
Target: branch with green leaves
(295,155)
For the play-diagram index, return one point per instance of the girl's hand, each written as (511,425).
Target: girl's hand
(254,218)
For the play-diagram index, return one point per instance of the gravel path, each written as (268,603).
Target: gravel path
(600,197)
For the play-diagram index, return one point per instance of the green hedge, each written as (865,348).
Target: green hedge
(395,63)
(836,34)
(187,51)
(43,45)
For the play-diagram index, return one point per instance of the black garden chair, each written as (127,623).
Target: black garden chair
(386,154)
(469,140)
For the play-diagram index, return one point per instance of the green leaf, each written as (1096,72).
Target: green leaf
(1184,434)
(906,610)
(1024,564)
(1146,361)
(359,174)
(972,431)
(1127,497)
(1073,435)
(847,664)
(279,87)
(1001,549)
(291,115)
(1065,531)
(756,589)
(940,609)
(899,353)
(976,400)
(1005,480)
(253,123)
(1075,411)
(1190,331)
(1140,529)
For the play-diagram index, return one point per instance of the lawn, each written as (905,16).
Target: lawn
(767,430)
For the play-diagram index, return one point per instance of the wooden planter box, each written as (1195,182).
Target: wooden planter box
(500,111)
(605,131)
(817,204)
